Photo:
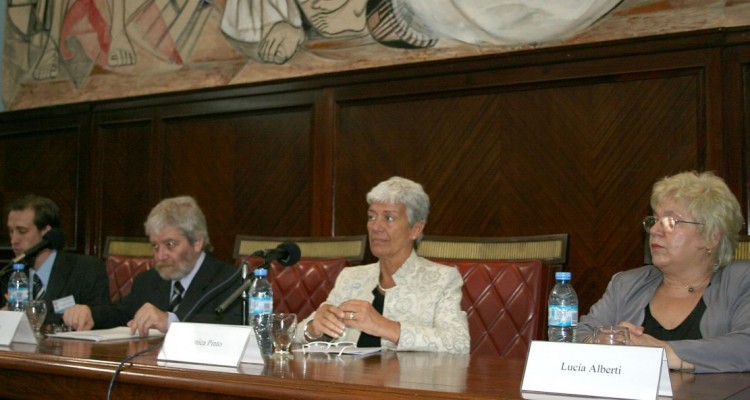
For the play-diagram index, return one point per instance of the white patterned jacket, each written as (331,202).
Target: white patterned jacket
(426,301)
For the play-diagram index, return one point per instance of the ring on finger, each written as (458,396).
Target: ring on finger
(351,315)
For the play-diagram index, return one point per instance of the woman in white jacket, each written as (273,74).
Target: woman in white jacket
(403,301)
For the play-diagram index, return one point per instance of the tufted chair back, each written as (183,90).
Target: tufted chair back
(506,284)
(302,287)
(505,303)
(124,258)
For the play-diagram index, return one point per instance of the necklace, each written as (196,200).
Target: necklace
(691,288)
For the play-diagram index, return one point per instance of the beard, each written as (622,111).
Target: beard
(173,270)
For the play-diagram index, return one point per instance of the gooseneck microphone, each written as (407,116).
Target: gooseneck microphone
(53,239)
(286,254)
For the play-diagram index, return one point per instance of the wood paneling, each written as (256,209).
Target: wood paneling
(557,140)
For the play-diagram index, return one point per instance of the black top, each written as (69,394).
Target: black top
(687,330)
(365,339)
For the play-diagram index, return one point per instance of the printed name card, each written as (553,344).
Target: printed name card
(621,372)
(15,327)
(211,344)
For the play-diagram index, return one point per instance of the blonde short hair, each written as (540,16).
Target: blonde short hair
(710,202)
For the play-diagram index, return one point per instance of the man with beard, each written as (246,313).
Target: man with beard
(183,273)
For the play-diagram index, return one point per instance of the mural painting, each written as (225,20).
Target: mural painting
(63,51)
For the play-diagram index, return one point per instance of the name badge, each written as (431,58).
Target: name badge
(623,372)
(63,303)
(212,344)
(15,327)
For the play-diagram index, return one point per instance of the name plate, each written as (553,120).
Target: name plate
(621,372)
(211,344)
(15,327)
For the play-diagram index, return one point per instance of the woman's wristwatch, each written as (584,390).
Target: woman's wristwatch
(309,338)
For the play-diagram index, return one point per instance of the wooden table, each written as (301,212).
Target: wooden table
(65,368)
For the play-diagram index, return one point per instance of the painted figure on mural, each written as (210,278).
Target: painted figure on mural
(273,30)
(58,40)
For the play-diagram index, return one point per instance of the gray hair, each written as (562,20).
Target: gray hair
(710,201)
(397,190)
(183,214)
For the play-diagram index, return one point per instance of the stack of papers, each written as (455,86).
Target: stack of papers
(100,335)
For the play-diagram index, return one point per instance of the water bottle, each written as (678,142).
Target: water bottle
(563,310)
(18,288)
(260,309)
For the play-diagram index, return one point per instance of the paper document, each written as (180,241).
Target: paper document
(100,335)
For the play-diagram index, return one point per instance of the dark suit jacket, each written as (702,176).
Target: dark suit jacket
(149,287)
(84,277)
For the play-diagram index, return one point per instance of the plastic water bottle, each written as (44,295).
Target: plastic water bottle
(563,310)
(18,288)
(261,309)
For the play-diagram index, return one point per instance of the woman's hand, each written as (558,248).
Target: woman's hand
(328,321)
(361,315)
(638,338)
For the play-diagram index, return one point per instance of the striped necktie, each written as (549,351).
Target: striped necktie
(174,301)
(38,288)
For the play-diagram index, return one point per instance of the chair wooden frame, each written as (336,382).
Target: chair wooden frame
(742,252)
(352,248)
(552,249)
(127,246)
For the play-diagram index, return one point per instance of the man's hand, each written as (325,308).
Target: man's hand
(78,317)
(147,317)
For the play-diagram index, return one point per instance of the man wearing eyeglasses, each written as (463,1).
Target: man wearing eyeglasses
(184,284)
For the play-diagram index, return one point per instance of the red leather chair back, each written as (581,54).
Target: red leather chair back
(505,303)
(121,271)
(302,287)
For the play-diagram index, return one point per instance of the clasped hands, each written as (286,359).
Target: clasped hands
(332,321)
(638,338)
(79,318)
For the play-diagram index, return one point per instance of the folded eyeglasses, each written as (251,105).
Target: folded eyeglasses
(323,347)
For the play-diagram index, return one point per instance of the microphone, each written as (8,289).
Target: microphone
(53,239)
(286,254)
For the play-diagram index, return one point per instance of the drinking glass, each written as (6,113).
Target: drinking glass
(36,312)
(283,328)
(611,335)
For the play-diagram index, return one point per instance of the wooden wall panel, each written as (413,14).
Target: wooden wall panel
(121,174)
(577,159)
(45,162)
(250,172)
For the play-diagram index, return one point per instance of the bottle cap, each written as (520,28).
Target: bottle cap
(562,276)
(260,272)
(18,267)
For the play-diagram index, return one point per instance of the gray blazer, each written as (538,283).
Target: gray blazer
(725,326)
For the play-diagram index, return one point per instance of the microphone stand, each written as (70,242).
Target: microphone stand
(244,294)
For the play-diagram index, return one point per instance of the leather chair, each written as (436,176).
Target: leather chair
(302,287)
(505,304)
(506,285)
(124,258)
